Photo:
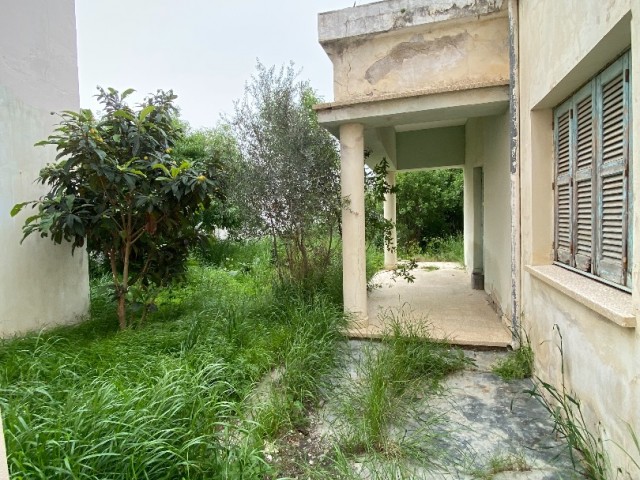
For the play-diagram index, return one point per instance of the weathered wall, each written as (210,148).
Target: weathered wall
(447,54)
(40,284)
(488,147)
(431,148)
(601,358)
(497,208)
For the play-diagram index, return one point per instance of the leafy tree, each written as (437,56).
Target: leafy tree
(216,146)
(118,184)
(429,205)
(289,180)
(378,230)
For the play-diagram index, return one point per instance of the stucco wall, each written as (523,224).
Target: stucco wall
(446,55)
(601,359)
(432,148)
(40,284)
(497,218)
(487,146)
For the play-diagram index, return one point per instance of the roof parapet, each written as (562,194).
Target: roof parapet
(390,15)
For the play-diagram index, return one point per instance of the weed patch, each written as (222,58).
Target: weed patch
(169,400)
(391,375)
(517,365)
(571,425)
(509,462)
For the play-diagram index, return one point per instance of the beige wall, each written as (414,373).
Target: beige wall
(446,55)
(431,148)
(41,284)
(487,146)
(601,358)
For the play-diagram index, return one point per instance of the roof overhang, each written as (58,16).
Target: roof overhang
(406,112)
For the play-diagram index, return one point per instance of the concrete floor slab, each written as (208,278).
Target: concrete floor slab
(440,300)
(477,426)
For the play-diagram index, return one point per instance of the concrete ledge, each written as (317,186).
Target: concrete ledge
(327,106)
(390,15)
(425,106)
(609,302)
(374,333)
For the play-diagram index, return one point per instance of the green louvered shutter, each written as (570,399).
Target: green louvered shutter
(612,164)
(583,191)
(563,184)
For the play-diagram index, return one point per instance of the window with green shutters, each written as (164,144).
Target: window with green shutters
(592,140)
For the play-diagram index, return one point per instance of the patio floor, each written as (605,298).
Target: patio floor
(441,301)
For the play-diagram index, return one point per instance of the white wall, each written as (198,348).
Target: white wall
(487,146)
(562,45)
(40,283)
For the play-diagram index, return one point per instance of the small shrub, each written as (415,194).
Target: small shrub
(517,364)
(510,462)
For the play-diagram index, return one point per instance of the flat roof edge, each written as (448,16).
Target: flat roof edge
(320,107)
(390,15)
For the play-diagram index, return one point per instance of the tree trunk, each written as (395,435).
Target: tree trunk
(122,312)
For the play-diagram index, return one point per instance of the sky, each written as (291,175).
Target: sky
(204,50)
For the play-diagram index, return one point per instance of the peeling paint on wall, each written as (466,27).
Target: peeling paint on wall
(442,50)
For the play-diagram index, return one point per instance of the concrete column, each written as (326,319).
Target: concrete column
(391,253)
(354,273)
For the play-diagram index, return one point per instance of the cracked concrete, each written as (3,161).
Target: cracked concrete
(478,422)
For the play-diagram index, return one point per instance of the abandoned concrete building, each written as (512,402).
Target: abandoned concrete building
(534,102)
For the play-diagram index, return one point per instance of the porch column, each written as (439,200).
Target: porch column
(354,274)
(391,253)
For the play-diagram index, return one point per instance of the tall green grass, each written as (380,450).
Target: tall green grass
(171,400)
(407,360)
(436,249)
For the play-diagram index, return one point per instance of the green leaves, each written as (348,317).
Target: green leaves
(116,184)
(145,111)
(18,208)
(123,114)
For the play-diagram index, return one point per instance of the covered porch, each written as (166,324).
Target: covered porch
(432,94)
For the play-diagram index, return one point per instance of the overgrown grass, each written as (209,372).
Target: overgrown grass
(390,374)
(517,364)
(508,462)
(586,449)
(171,400)
(437,249)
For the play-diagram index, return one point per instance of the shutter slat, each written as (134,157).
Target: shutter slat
(613,119)
(564,150)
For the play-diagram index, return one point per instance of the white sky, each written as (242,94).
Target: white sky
(204,50)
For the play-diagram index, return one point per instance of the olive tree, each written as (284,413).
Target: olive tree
(117,187)
(288,181)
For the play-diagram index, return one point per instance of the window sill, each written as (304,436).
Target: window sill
(609,302)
